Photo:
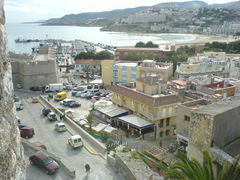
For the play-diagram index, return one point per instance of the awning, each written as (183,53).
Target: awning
(109,129)
(181,137)
(113,111)
(136,121)
(99,127)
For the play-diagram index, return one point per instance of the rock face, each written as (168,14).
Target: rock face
(12,164)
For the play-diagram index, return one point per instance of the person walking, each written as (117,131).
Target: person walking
(87,167)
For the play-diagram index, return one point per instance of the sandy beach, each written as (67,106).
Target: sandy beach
(202,39)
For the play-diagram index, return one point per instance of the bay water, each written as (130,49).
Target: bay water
(91,34)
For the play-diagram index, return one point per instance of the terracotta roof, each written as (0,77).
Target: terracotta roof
(87,61)
(144,98)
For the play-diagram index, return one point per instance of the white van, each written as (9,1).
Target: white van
(66,102)
(75,141)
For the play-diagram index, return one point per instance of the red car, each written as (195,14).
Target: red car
(26,132)
(96,97)
(45,162)
(41,145)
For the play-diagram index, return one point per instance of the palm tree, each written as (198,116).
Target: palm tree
(187,169)
(87,70)
(90,119)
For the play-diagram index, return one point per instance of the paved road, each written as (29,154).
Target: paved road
(57,144)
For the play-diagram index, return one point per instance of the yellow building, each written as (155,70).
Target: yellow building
(114,72)
(151,100)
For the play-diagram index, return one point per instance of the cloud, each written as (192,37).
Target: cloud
(32,10)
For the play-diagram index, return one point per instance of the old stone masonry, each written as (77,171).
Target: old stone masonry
(12,164)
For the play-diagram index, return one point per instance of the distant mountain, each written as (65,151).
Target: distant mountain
(230,5)
(184,5)
(93,17)
(107,18)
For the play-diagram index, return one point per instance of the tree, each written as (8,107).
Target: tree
(85,55)
(187,169)
(140,44)
(104,55)
(150,44)
(90,119)
(87,70)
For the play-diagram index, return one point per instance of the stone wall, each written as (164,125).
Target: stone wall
(200,134)
(12,165)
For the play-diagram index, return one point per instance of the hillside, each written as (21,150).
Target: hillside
(173,17)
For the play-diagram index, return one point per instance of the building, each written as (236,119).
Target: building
(121,52)
(94,65)
(183,118)
(151,102)
(114,72)
(210,63)
(39,70)
(215,128)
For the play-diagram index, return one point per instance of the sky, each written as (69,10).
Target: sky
(35,10)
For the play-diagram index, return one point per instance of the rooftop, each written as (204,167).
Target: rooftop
(196,104)
(88,61)
(218,108)
(218,85)
(126,64)
(151,80)
(144,98)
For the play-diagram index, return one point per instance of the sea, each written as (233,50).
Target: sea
(90,34)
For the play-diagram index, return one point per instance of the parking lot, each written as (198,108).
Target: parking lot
(57,143)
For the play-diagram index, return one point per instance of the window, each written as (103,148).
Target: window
(133,76)
(167,132)
(186,118)
(161,123)
(134,68)
(161,134)
(124,68)
(167,121)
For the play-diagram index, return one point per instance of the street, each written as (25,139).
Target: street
(57,143)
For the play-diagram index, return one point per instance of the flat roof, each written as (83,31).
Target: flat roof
(41,57)
(126,64)
(112,110)
(218,108)
(136,121)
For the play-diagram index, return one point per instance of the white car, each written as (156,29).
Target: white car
(60,127)
(52,116)
(75,141)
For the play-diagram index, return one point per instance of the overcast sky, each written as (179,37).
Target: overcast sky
(33,10)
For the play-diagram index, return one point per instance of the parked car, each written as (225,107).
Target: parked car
(67,87)
(66,102)
(26,132)
(46,111)
(18,86)
(52,116)
(75,141)
(37,88)
(104,94)
(74,104)
(97,94)
(78,94)
(89,95)
(60,127)
(19,106)
(20,126)
(74,93)
(35,100)
(96,98)
(16,98)
(43,161)
(41,145)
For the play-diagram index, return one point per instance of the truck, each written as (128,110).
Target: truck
(56,87)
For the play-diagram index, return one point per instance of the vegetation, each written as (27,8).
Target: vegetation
(88,70)
(232,47)
(187,169)
(149,44)
(90,120)
(91,55)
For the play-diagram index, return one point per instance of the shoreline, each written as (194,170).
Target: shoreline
(202,39)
